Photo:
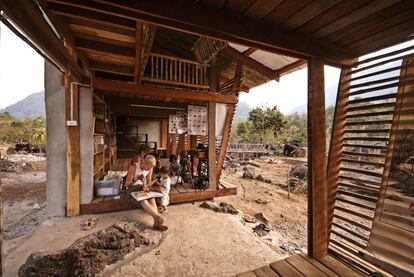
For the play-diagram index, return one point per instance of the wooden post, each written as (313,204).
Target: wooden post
(181,143)
(193,141)
(72,150)
(212,178)
(1,232)
(164,133)
(173,144)
(317,185)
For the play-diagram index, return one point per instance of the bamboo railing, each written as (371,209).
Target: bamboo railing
(176,71)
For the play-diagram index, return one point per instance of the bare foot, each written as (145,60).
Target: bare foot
(159,224)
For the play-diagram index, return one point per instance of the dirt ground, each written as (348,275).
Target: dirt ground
(24,194)
(200,242)
(287,216)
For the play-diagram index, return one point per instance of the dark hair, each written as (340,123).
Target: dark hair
(173,158)
(165,170)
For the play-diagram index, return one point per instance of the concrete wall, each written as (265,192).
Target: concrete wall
(86,143)
(56,141)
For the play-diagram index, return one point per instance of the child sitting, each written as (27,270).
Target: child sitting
(165,185)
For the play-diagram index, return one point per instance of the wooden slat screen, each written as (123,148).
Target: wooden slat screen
(360,137)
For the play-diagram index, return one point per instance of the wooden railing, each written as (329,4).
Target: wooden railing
(175,71)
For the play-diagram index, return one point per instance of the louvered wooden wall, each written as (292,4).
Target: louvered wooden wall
(360,137)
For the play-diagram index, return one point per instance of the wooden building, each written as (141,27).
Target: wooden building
(111,62)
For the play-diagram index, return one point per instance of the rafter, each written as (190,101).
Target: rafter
(251,63)
(138,50)
(157,92)
(148,37)
(66,34)
(250,51)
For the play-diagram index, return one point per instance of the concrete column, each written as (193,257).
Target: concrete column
(56,141)
(86,143)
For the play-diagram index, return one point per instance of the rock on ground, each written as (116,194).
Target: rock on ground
(300,171)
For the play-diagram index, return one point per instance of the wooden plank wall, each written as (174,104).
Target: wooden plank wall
(317,186)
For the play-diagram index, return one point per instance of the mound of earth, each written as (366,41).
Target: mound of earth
(89,255)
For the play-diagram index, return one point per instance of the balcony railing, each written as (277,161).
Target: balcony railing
(175,71)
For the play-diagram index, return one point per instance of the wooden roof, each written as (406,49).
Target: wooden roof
(103,33)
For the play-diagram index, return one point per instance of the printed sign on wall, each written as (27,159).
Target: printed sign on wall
(172,124)
(197,120)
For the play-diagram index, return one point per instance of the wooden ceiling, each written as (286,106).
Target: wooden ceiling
(103,33)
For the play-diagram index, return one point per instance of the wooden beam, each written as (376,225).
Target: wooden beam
(251,63)
(130,110)
(30,21)
(72,151)
(290,67)
(112,68)
(147,44)
(317,186)
(212,169)
(143,102)
(63,30)
(249,51)
(228,122)
(196,18)
(157,92)
(138,50)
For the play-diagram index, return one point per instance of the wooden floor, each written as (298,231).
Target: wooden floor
(303,265)
(179,193)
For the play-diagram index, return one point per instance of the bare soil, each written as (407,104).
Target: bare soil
(287,216)
(23,194)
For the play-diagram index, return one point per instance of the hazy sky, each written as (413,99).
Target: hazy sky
(21,68)
(290,92)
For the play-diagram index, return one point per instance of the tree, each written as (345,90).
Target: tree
(266,121)
(39,136)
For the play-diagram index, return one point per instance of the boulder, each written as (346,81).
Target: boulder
(261,229)
(300,171)
(247,174)
(260,178)
(260,216)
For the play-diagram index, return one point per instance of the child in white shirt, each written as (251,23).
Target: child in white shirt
(165,186)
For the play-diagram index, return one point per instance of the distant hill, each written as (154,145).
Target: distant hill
(30,107)
(242,112)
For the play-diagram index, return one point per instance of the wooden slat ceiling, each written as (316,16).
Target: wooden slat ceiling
(106,34)
(361,26)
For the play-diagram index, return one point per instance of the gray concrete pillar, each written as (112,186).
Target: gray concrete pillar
(55,141)
(86,143)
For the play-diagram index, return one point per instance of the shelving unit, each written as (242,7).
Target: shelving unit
(104,138)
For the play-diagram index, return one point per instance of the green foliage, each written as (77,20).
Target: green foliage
(266,121)
(296,128)
(15,130)
(269,125)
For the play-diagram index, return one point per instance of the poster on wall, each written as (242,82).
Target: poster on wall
(182,123)
(197,120)
(172,124)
